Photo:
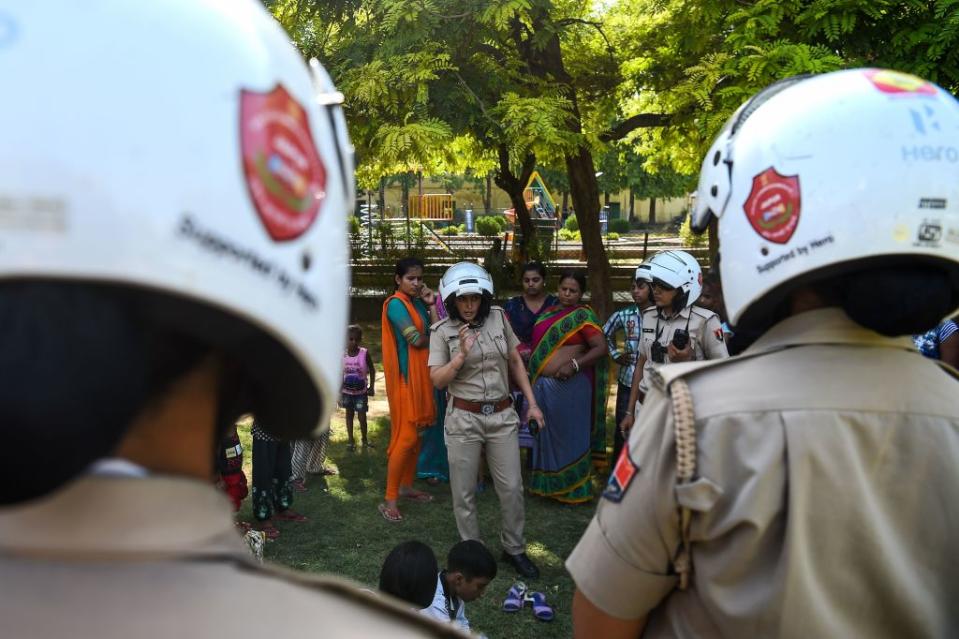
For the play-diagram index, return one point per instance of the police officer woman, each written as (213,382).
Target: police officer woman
(472,353)
(806,487)
(674,329)
(173,255)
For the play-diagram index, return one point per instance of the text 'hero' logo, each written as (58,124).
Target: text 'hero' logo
(284,172)
(773,205)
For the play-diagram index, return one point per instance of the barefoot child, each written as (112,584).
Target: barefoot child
(357,366)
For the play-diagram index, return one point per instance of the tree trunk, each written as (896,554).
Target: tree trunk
(544,56)
(652,210)
(632,203)
(585,193)
(563,208)
(488,196)
(406,208)
(605,198)
(514,185)
(381,199)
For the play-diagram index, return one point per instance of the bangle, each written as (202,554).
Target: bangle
(575,364)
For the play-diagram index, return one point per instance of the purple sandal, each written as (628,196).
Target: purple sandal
(515,598)
(541,610)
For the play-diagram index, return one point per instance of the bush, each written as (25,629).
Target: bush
(572,224)
(612,236)
(690,239)
(452,229)
(354,224)
(501,222)
(620,226)
(487,225)
(568,236)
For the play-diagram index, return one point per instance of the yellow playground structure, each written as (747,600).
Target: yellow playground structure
(431,206)
(539,202)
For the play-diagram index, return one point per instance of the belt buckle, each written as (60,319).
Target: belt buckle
(487,409)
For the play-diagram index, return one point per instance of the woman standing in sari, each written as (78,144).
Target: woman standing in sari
(570,372)
(406,321)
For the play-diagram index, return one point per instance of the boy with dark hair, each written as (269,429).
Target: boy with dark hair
(470,567)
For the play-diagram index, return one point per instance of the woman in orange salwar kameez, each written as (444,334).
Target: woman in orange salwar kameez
(407,315)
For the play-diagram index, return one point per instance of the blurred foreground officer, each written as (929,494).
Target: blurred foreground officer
(806,488)
(173,186)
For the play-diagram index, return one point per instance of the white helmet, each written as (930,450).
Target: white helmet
(184,148)
(814,175)
(465,278)
(677,269)
(642,274)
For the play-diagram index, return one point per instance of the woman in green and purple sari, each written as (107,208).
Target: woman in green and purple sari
(570,374)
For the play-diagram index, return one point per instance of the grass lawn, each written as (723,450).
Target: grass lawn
(347,536)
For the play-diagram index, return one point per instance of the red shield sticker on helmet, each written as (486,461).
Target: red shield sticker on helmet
(897,83)
(284,172)
(773,205)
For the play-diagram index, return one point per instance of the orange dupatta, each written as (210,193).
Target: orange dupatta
(411,399)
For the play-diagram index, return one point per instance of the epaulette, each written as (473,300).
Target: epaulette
(663,376)
(705,313)
(439,323)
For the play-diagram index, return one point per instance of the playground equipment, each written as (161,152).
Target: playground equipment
(431,206)
(539,202)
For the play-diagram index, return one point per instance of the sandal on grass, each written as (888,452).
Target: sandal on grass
(290,515)
(515,598)
(541,610)
(389,514)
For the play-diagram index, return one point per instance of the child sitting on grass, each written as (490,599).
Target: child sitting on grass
(357,366)
(470,567)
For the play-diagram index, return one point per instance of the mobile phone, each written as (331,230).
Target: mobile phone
(533,427)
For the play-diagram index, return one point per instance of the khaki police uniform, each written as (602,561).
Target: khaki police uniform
(705,335)
(822,502)
(116,557)
(484,378)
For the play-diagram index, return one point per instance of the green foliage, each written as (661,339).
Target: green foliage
(619,226)
(353,223)
(698,60)
(488,225)
(568,235)
(571,224)
(612,236)
(451,230)
(690,239)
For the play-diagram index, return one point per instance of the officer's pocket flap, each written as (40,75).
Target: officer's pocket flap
(700,495)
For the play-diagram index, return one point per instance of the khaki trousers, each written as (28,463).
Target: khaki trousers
(466,435)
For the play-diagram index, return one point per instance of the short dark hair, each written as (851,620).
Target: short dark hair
(534,265)
(404,265)
(473,559)
(409,573)
(576,274)
(80,362)
(355,329)
(486,303)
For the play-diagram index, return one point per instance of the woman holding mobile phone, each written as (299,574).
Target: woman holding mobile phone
(472,353)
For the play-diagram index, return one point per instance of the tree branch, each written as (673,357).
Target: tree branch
(639,121)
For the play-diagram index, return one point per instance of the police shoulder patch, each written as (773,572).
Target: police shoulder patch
(621,477)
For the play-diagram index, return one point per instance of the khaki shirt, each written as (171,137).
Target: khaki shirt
(824,502)
(159,557)
(484,376)
(705,335)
